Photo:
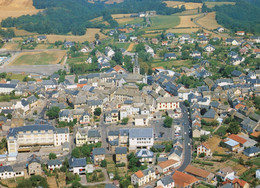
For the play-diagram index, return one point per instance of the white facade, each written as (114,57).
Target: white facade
(141,138)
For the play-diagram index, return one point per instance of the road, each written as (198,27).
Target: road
(104,131)
(187,139)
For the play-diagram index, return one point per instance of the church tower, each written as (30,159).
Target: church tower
(136,68)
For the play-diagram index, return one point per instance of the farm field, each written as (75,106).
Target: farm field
(183,30)
(89,36)
(212,4)
(209,21)
(187,12)
(16,76)
(164,22)
(123,18)
(39,58)
(16,8)
(188,6)
(11,46)
(185,21)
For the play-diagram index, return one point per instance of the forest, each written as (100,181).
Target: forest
(62,17)
(244,15)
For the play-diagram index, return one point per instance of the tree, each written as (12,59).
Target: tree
(202,155)
(103,163)
(124,121)
(233,128)
(53,112)
(75,153)
(97,112)
(76,80)
(52,156)
(97,36)
(168,122)
(76,184)
(9,116)
(186,103)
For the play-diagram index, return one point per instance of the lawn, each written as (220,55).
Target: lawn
(39,58)
(170,64)
(19,77)
(76,60)
(164,22)
(96,176)
(122,45)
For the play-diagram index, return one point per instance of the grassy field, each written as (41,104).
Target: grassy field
(124,18)
(11,46)
(16,76)
(185,21)
(16,8)
(39,58)
(164,22)
(89,36)
(77,60)
(180,31)
(188,6)
(124,21)
(187,12)
(131,47)
(170,64)
(212,4)
(113,1)
(122,45)
(209,21)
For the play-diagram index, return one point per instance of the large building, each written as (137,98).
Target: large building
(27,138)
(168,103)
(141,138)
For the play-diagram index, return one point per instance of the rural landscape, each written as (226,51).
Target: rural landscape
(130,93)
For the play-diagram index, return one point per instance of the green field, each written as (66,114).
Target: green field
(122,45)
(172,63)
(39,58)
(164,22)
(16,76)
(134,21)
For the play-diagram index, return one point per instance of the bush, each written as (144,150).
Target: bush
(103,163)
(202,155)
(52,156)
(168,122)
(120,165)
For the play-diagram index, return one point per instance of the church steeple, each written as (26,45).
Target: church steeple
(136,68)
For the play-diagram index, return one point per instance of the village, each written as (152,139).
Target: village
(172,111)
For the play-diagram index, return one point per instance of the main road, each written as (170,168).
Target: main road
(187,138)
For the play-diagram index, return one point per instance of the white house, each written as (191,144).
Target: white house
(141,120)
(8,172)
(257,174)
(149,50)
(109,52)
(54,164)
(143,177)
(167,166)
(7,88)
(79,166)
(168,103)
(61,135)
(141,138)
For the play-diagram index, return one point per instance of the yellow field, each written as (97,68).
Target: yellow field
(122,18)
(212,4)
(186,21)
(16,8)
(39,58)
(188,6)
(209,21)
(130,48)
(89,36)
(21,32)
(11,46)
(114,1)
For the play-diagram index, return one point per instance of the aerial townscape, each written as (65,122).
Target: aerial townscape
(130,93)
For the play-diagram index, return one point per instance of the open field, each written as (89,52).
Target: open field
(188,6)
(122,18)
(122,45)
(209,21)
(113,1)
(214,144)
(184,30)
(16,76)
(16,8)
(170,64)
(212,4)
(187,12)
(185,21)
(21,32)
(39,58)
(164,22)
(99,20)
(89,36)
(11,46)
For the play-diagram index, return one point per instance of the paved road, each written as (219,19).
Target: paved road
(187,139)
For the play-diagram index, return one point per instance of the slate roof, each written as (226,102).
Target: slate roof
(167,55)
(144,153)
(121,150)
(77,162)
(252,150)
(209,114)
(167,180)
(54,162)
(99,151)
(8,86)
(6,168)
(93,133)
(141,133)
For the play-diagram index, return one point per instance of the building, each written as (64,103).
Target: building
(141,120)
(141,138)
(143,177)
(226,173)
(168,103)
(9,172)
(145,156)
(34,165)
(182,180)
(204,148)
(54,164)
(121,155)
(238,183)
(29,137)
(98,155)
(257,174)
(7,88)
(166,182)
(79,166)
(167,166)
(81,136)
(199,173)
(252,151)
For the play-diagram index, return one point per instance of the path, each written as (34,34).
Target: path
(130,47)
(217,128)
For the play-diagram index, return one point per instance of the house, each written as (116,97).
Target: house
(85,118)
(209,48)
(98,155)
(143,177)
(41,38)
(210,115)
(199,173)
(230,41)
(240,33)
(85,49)
(94,136)
(170,36)
(220,29)
(237,60)
(7,88)
(122,38)
(204,148)
(79,166)
(249,125)
(166,182)
(8,171)
(238,183)
(232,144)
(120,70)
(155,41)
(54,164)
(252,151)
(149,50)
(68,44)
(121,155)
(145,156)
(170,56)
(195,54)
(226,173)
(141,120)
(182,180)
(34,165)
(109,52)
(168,103)
(141,138)
(167,166)
(176,153)
(164,43)
(257,174)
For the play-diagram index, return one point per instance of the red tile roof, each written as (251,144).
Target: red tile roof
(139,174)
(197,171)
(237,138)
(181,179)
(118,68)
(240,182)
(255,134)
(167,163)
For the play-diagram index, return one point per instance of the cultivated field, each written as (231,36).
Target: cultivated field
(164,22)
(188,6)
(89,36)
(39,58)
(11,46)
(209,21)
(188,30)
(21,32)
(123,18)
(185,21)
(16,8)
(212,4)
